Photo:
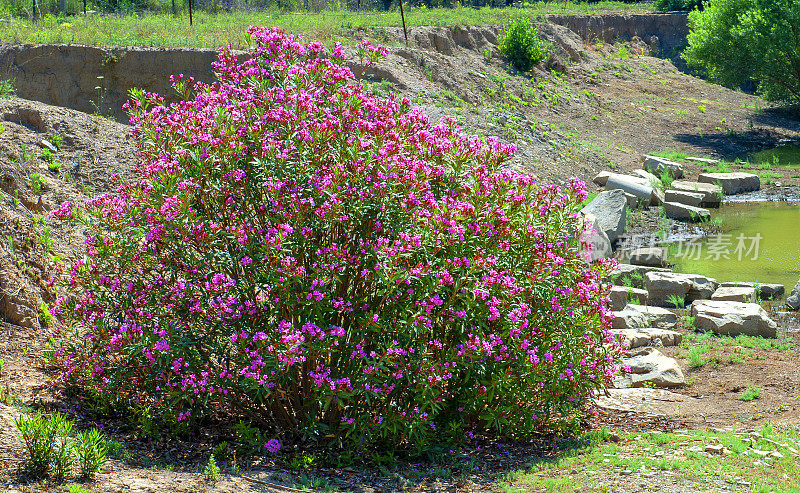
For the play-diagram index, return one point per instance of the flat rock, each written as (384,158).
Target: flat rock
(686,198)
(641,316)
(648,336)
(765,291)
(656,316)
(633,274)
(741,294)
(732,183)
(648,256)
(620,297)
(662,287)
(733,318)
(702,160)
(650,367)
(658,402)
(712,194)
(610,208)
(683,212)
(793,300)
(659,165)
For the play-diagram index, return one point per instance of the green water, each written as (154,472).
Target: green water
(787,155)
(777,259)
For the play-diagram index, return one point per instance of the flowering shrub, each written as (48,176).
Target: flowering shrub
(329,264)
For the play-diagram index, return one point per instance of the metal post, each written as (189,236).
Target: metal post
(84,8)
(190,12)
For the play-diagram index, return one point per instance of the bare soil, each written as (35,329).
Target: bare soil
(604,108)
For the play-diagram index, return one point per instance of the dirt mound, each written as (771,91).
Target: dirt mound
(47,155)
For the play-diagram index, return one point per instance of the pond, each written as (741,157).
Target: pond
(785,155)
(759,242)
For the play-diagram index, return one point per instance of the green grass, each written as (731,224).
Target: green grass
(594,463)
(214,30)
(670,154)
(740,348)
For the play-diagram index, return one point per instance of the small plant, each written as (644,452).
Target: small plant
(695,357)
(47,155)
(211,471)
(91,451)
(487,54)
(676,301)
(57,141)
(665,180)
(750,393)
(54,166)
(46,240)
(6,89)
(520,43)
(37,183)
(47,443)
(45,317)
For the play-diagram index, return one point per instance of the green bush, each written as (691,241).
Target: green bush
(672,5)
(331,266)
(520,43)
(734,42)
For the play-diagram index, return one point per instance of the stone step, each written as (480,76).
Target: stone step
(712,194)
(733,183)
(682,212)
(686,198)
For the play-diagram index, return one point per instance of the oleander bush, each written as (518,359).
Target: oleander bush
(331,266)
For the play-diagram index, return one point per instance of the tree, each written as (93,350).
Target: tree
(736,41)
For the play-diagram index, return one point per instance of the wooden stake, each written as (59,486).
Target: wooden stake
(403,16)
(190,12)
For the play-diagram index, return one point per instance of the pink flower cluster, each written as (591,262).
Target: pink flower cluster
(297,250)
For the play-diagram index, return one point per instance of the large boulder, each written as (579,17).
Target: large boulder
(793,300)
(732,183)
(633,275)
(659,165)
(682,212)
(663,288)
(765,291)
(598,242)
(743,294)
(649,256)
(733,318)
(649,367)
(649,336)
(686,198)
(620,296)
(633,185)
(610,208)
(712,194)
